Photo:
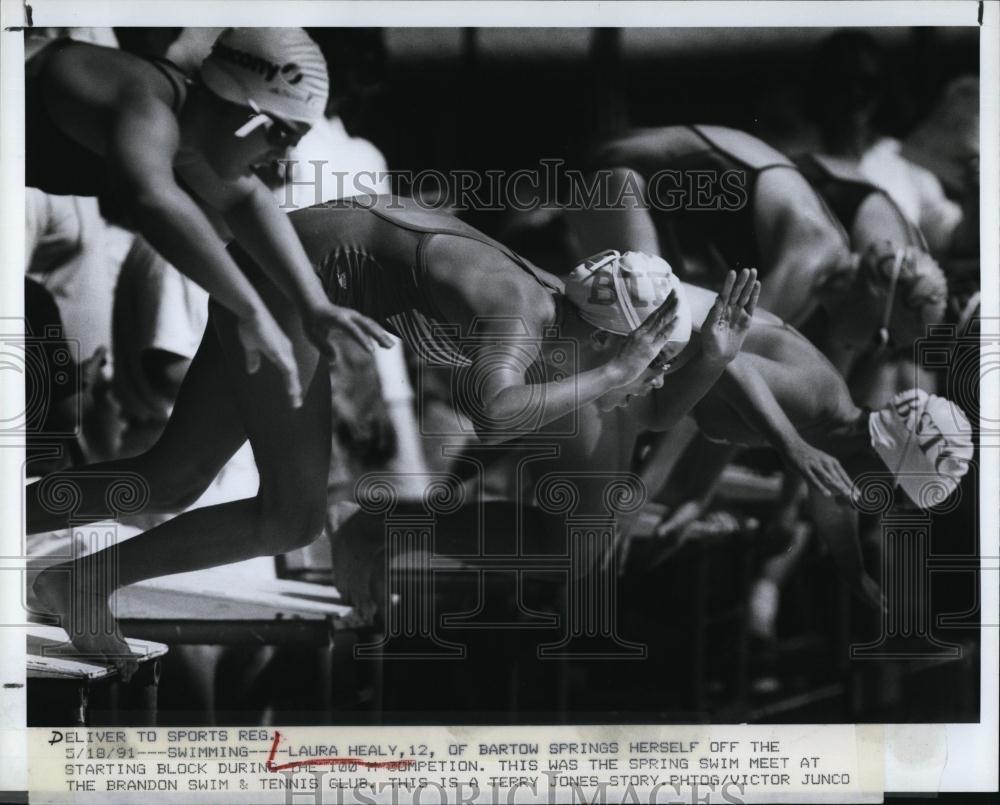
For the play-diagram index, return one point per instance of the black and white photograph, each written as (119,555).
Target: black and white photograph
(617,378)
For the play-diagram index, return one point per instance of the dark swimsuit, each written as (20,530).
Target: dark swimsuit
(690,149)
(370,255)
(54,161)
(844,188)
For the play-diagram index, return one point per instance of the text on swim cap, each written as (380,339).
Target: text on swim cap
(926,431)
(906,405)
(602,290)
(257,64)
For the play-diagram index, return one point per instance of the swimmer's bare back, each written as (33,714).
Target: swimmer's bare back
(86,84)
(435,281)
(406,266)
(780,222)
(798,237)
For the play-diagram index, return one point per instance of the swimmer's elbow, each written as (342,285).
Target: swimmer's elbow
(150,200)
(496,424)
(490,433)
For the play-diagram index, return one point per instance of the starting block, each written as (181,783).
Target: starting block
(65,689)
(211,608)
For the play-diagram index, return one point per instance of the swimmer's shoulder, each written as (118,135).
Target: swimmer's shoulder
(106,76)
(470,281)
(639,149)
(744,146)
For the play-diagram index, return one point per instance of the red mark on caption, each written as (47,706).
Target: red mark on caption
(396,765)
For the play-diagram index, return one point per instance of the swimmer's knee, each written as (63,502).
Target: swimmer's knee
(289,530)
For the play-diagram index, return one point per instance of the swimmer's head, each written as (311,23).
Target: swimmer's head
(890,296)
(281,71)
(615,293)
(270,85)
(926,443)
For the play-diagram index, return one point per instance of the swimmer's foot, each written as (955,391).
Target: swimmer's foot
(86,617)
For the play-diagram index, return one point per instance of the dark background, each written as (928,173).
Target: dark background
(494,98)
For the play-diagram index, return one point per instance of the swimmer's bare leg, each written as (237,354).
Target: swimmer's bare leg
(292,451)
(202,434)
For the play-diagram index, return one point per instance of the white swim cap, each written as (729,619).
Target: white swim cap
(925,441)
(277,70)
(617,292)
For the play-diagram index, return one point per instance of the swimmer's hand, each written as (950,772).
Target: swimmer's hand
(821,470)
(261,336)
(644,343)
(728,322)
(322,322)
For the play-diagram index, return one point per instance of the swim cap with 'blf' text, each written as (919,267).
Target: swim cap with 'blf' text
(617,292)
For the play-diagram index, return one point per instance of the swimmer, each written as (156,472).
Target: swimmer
(781,391)
(455,297)
(892,248)
(710,198)
(171,158)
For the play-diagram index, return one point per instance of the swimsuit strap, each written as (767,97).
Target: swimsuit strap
(179,81)
(718,143)
(432,222)
(838,169)
(912,229)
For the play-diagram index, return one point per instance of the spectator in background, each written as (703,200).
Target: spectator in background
(75,255)
(850,98)
(63,394)
(947,143)
(947,140)
(72,260)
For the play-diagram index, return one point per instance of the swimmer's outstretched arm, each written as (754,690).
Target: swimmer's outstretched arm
(143,143)
(267,235)
(743,386)
(722,336)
